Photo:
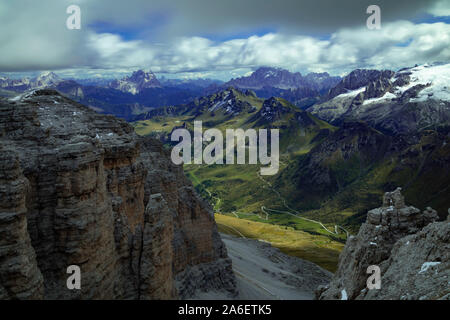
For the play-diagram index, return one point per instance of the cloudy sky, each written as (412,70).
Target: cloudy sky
(217,38)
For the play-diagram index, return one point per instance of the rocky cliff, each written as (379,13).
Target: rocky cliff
(409,247)
(80,188)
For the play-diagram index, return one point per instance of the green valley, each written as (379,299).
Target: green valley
(329,176)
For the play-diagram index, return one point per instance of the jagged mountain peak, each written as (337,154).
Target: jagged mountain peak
(356,79)
(385,98)
(142,75)
(273,72)
(47,75)
(268,77)
(230,101)
(137,82)
(269,81)
(45,79)
(273,109)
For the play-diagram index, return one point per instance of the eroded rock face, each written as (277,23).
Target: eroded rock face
(199,258)
(402,241)
(86,190)
(361,78)
(418,267)
(18,268)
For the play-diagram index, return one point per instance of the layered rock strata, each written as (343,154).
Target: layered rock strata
(80,188)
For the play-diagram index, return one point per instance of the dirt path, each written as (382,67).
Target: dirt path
(297,214)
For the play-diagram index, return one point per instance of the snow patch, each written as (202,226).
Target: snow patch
(386,97)
(216,105)
(427,265)
(351,93)
(438,76)
(16,98)
(344,295)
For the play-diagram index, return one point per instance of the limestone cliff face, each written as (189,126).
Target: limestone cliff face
(79,188)
(404,243)
(19,274)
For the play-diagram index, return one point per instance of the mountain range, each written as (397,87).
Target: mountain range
(392,125)
(409,100)
(45,79)
(371,132)
(123,98)
(267,77)
(303,91)
(343,146)
(142,91)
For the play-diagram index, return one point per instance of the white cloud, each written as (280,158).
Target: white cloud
(33,37)
(395,45)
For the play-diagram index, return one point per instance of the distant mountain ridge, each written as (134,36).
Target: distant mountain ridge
(43,80)
(303,91)
(283,79)
(406,101)
(380,129)
(124,98)
(200,82)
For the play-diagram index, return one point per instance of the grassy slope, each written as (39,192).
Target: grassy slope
(147,127)
(238,191)
(316,248)
(237,188)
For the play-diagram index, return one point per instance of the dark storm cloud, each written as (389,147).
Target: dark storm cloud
(191,17)
(313,35)
(318,16)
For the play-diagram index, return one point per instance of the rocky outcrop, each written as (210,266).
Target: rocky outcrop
(83,189)
(196,244)
(272,110)
(378,87)
(19,273)
(302,91)
(410,250)
(418,267)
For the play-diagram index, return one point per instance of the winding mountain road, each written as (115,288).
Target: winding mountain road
(297,214)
